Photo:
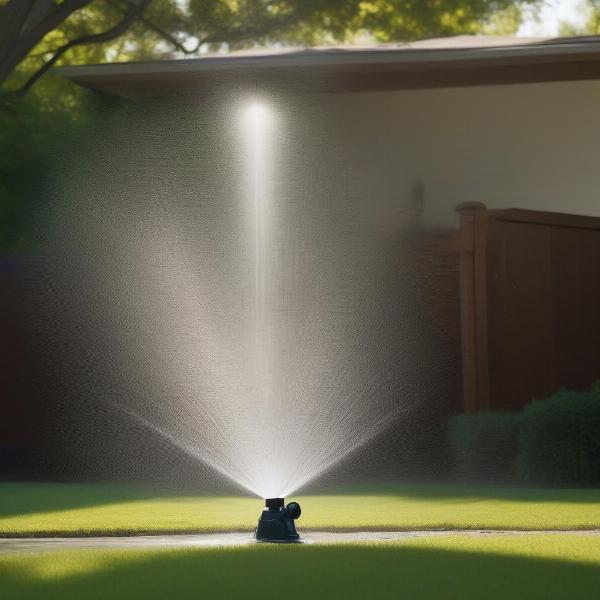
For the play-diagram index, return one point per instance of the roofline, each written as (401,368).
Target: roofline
(586,51)
(332,57)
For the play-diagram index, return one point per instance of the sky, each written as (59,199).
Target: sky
(550,17)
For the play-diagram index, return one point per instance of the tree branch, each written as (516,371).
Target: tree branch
(54,18)
(222,36)
(95,38)
(171,38)
(28,38)
(167,36)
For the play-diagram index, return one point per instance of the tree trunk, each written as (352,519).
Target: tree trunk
(23,25)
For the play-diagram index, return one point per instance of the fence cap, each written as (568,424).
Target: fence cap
(464,206)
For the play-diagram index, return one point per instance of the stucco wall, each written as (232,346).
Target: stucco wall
(530,146)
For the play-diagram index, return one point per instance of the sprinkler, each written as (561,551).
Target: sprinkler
(276,523)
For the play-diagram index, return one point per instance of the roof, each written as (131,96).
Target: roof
(441,62)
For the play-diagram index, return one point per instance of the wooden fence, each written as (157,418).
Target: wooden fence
(530,304)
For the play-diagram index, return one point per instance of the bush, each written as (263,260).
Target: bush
(485,445)
(560,439)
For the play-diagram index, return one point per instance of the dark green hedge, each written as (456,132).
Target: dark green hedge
(560,439)
(555,441)
(485,445)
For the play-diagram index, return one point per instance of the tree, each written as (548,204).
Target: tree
(590,10)
(35,35)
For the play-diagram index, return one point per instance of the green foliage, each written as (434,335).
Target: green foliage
(33,139)
(590,10)
(485,445)
(553,441)
(504,22)
(593,21)
(398,20)
(560,439)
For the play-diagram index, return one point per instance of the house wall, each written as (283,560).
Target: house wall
(533,146)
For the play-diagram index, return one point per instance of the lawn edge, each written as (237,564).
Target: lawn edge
(51,533)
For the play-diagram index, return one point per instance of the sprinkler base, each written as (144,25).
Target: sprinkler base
(276,524)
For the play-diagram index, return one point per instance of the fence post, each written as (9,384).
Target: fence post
(473,302)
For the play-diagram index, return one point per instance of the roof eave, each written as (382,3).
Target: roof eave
(351,70)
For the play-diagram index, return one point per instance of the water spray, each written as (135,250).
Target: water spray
(276,523)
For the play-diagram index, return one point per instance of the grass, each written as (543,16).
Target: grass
(95,509)
(451,567)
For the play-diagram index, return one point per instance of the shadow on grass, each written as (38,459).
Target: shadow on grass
(29,498)
(298,572)
(17,498)
(462,492)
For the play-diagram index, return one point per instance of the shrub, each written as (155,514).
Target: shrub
(485,445)
(560,439)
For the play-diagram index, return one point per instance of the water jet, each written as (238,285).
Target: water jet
(276,522)
(250,320)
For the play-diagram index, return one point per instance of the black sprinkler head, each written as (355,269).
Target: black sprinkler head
(274,503)
(276,523)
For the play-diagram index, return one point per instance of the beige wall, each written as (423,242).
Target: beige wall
(530,146)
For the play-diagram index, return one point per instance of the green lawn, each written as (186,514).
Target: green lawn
(79,509)
(453,567)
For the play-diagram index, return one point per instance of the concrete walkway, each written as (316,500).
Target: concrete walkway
(9,545)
